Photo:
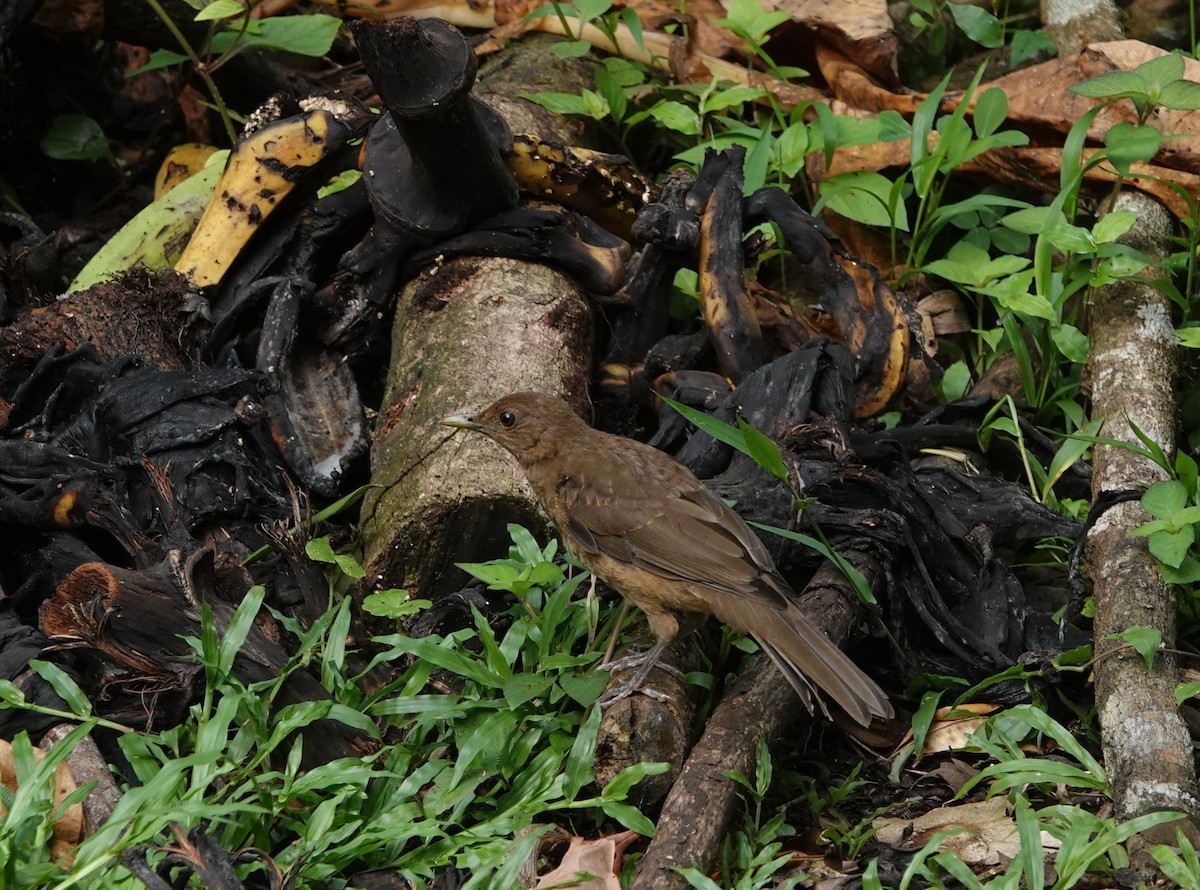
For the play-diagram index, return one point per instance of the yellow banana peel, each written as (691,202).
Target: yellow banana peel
(263,169)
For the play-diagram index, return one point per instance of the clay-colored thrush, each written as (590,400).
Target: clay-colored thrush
(640,521)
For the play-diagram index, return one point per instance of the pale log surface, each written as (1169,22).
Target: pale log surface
(1147,749)
(466,333)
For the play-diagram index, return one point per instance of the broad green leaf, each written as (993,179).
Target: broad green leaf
(955,381)
(1185,691)
(978,24)
(1013,293)
(305,35)
(594,105)
(578,770)
(584,688)
(863,196)
(991,108)
(629,18)
(613,93)
(497,575)
(734,97)
(792,146)
(393,603)
(1161,70)
(64,685)
(621,784)
(1150,528)
(765,452)
(1032,220)
(1071,342)
(75,137)
(11,694)
(590,10)
(1188,571)
(160,58)
(320,550)
(677,116)
(524,687)
(629,816)
(1026,44)
(1165,499)
(1113,225)
(1072,239)
(1128,144)
(748,18)
(1146,640)
(1183,95)
(1112,84)
(559,103)
(572,49)
(220,9)
(1170,547)
(1188,472)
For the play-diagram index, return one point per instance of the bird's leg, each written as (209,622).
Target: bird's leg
(635,660)
(665,626)
(648,660)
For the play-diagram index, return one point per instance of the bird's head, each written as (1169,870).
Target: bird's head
(520,423)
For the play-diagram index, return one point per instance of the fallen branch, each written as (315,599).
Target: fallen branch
(703,803)
(1147,747)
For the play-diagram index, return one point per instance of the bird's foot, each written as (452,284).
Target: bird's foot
(645,661)
(625,690)
(632,661)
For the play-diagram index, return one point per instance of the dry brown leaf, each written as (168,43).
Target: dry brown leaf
(987,834)
(860,29)
(1040,168)
(951,725)
(71,17)
(954,772)
(852,84)
(599,860)
(68,830)
(1040,97)
(946,312)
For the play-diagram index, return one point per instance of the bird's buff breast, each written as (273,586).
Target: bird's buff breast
(646,589)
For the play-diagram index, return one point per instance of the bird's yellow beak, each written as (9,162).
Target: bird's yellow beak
(461,421)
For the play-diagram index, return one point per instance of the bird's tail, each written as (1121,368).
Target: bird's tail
(808,658)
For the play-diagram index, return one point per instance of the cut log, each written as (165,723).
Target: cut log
(466,333)
(703,802)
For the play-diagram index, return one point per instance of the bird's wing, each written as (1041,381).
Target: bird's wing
(670,524)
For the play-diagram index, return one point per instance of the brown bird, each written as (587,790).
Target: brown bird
(641,522)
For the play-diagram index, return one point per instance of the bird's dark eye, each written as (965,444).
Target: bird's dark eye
(507,418)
